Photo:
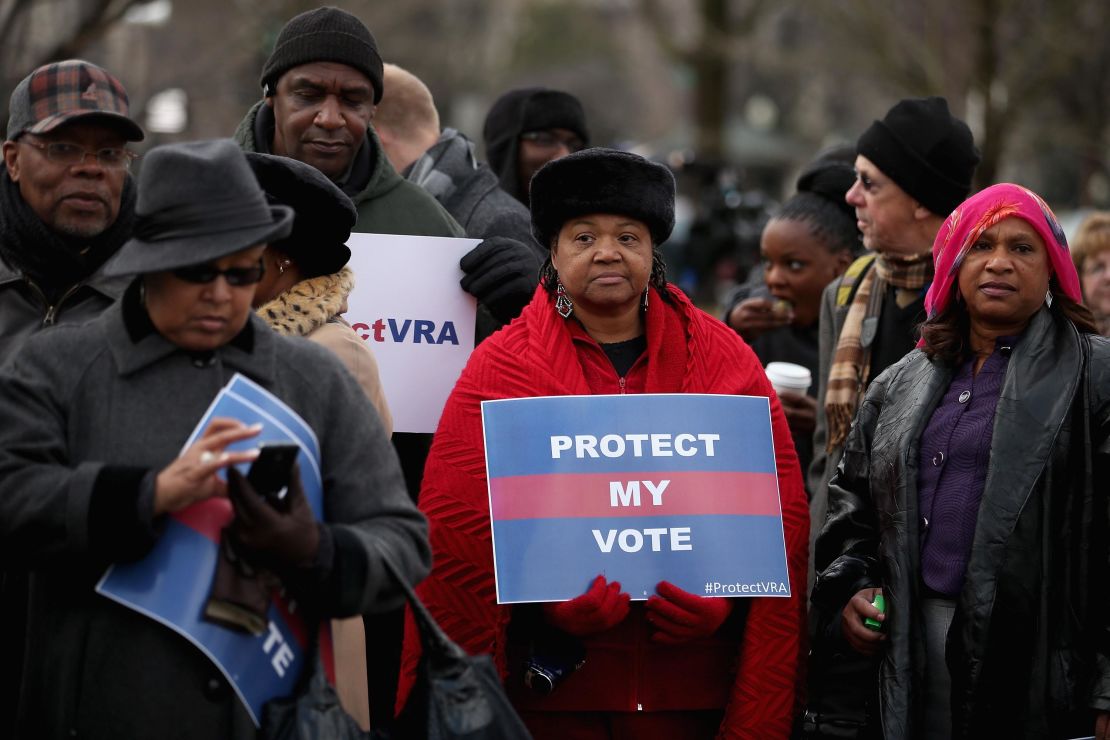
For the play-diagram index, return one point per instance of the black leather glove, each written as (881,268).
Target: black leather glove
(502,273)
(281,540)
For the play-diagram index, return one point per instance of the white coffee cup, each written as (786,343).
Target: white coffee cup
(786,376)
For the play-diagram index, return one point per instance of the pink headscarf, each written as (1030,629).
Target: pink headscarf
(982,211)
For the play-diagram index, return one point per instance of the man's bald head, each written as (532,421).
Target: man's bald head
(406,119)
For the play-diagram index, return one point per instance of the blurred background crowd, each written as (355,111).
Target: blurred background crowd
(734,95)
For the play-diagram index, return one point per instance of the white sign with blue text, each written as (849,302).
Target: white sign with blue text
(409,309)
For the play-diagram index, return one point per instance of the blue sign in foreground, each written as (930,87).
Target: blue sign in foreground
(171,584)
(638,488)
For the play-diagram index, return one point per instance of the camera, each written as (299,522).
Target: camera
(554,656)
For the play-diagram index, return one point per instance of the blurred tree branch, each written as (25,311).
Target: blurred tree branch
(722,27)
(25,45)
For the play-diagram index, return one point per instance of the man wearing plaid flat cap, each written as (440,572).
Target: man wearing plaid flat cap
(66,206)
(66,198)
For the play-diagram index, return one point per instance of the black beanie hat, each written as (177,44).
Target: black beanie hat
(324,35)
(926,150)
(602,181)
(520,111)
(830,177)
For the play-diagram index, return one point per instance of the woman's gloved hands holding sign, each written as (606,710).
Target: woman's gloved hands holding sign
(677,616)
(602,607)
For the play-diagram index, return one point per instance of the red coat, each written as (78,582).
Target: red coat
(541,354)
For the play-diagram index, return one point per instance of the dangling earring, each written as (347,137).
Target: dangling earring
(644,300)
(281,265)
(563,305)
(1048,299)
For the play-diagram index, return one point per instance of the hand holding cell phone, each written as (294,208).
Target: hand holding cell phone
(272,471)
(279,537)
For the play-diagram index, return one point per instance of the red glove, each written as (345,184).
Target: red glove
(600,608)
(679,616)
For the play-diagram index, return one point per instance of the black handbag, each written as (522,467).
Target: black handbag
(313,713)
(456,696)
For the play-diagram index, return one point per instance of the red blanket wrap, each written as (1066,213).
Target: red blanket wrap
(688,351)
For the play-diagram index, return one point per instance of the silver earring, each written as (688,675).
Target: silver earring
(563,305)
(1048,299)
(644,300)
(282,264)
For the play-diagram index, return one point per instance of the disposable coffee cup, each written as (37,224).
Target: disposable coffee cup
(786,376)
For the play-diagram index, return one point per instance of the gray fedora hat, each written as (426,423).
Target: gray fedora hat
(198,201)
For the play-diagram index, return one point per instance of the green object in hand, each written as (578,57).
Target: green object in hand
(874,624)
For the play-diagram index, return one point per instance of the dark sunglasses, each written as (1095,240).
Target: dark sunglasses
(235,276)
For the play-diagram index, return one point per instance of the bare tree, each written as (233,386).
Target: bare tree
(722,27)
(34,32)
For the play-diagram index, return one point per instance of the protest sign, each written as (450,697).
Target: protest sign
(408,307)
(638,488)
(171,584)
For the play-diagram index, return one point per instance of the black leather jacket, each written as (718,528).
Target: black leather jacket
(1029,651)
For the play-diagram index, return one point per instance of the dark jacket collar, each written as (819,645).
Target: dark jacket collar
(135,345)
(110,287)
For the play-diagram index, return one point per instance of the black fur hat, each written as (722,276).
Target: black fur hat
(602,181)
(323,219)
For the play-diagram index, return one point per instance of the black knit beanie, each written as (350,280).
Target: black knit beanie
(926,150)
(520,111)
(324,35)
(602,181)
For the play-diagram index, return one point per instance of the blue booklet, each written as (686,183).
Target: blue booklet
(171,584)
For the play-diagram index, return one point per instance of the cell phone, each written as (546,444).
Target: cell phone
(270,472)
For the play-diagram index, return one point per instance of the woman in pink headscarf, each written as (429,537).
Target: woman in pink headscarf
(972,496)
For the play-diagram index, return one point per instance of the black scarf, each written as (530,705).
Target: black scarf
(352,183)
(55,262)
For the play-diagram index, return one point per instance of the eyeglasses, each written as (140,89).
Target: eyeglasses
(64,153)
(235,276)
(552,140)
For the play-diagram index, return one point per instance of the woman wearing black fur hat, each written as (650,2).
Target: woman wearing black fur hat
(604,320)
(307,282)
(303,293)
(94,470)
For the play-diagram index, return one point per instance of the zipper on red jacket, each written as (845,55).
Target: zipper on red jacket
(620,382)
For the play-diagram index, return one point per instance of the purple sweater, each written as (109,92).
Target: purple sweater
(955,456)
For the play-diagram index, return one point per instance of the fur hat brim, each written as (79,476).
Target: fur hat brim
(602,181)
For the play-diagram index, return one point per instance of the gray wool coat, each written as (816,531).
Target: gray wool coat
(79,401)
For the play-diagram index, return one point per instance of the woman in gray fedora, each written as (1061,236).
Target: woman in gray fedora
(92,462)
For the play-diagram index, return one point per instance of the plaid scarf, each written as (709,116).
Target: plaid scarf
(450,158)
(851,364)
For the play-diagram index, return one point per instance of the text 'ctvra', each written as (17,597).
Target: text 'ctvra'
(638,445)
(416,331)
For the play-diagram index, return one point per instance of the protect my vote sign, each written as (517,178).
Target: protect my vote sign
(638,488)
